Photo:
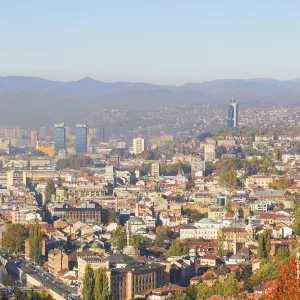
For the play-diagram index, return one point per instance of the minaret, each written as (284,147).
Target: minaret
(128,234)
(137,208)
(298,264)
(234,242)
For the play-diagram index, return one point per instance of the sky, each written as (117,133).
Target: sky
(158,41)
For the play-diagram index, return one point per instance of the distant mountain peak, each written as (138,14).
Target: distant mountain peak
(87,79)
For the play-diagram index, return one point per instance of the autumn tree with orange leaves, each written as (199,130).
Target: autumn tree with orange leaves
(287,285)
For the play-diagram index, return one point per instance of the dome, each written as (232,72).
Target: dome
(206,221)
(135,219)
(131,251)
(237,256)
(84,245)
(95,245)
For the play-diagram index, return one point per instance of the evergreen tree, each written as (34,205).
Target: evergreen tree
(264,245)
(49,190)
(101,285)
(88,283)
(220,245)
(296,224)
(36,239)
(231,286)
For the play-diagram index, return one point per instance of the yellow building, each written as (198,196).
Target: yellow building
(167,138)
(45,147)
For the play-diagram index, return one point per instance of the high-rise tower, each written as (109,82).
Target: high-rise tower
(81,138)
(233,112)
(59,136)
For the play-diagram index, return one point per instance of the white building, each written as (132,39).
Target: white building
(16,178)
(198,166)
(209,152)
(205,228)
(138,146)
(155,169)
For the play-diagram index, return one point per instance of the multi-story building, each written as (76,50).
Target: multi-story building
(4,145)
(155,169)
(16,178)
(86,212)
(57,260)
(24,216)
(205,228)
(81,138)
(259,180)
(209,152)
(34,137)
(138,146)
(88,190)
(59,136)
(241,235)
(127,278)
(198,165)
(216,212)
(43,132)
(233,110)
(46,147)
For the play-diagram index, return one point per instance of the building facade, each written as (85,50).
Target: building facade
(138,146)
(233,111)
(59,136)
(81,139)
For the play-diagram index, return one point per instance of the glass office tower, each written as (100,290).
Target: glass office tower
(81,138)
(59,137)
(233,111)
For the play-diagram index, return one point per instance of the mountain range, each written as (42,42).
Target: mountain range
(33,101)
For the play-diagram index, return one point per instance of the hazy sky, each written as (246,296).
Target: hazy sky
(159,41)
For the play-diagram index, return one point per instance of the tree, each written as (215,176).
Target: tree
(220,244)
(35,241)
(75,163)
(112,216)
(49,190)
(42,294)
(161,236)
(101,285)
(140,241)
(88,283)
(228,205)
(296,224)
(282,183)
(177,249)
(267,163)
(119,238)
(276,154)
(14,237)
(264,245)
(231,286)
(228,176)
(282,253)
(191,292)
(287,285)
(204,291)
